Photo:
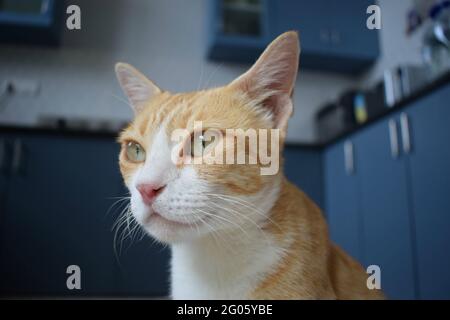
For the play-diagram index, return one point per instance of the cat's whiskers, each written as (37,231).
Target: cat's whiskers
(121,218)
(117,226)
(236,201)
(132,224)
(245,204)
(121,100)
(133,234)
(241,215)
(201,76)
(219,241)
(224,219)
(120,221)
(118,203)
(213,74)
(126,227)
(196,224)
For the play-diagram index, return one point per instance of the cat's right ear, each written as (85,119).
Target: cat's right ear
(137,87)
(271,80)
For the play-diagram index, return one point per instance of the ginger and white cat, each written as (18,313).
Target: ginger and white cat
(234,233)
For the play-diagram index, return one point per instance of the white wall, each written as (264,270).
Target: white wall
(166,40)
(396,47)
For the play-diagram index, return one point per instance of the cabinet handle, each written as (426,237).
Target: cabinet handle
(349,158)
(44,6)
(393,137)
(17,156)
(324,36)
(2,154)
(335,37)
(406,137)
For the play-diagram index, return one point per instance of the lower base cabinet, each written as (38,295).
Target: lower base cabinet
(385,210)
(54,215)
(342,202)
(303,167)
(387,198)
(428,163)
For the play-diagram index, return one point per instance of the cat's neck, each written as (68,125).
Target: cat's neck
(226,265)
(222,268)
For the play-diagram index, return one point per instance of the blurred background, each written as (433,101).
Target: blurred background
(367,140)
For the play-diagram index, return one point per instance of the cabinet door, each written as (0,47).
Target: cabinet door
(349,35)
(334,34)
(237,31)
(387,225)
(56,216)
(311,18)
(4,159)
(430,184)
(303,167)
(31,21)
(144,268)
(342,202)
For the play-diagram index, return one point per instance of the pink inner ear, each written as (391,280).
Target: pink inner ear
(281,108)
(277,67)
(278,71)
(272,78)
(136,86)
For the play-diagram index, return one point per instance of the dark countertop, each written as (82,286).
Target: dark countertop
(438,83)
(426,90)
(24,129)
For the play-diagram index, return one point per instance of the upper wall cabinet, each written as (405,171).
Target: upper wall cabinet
(239,29)
(31,21)
(334,35)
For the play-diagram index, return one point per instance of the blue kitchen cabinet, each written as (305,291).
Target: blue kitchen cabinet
(342,200)
(238,32)
(350,39)
(333,34)
(55,216)
(307,17)
(400,184)
(31,21)
(428,160)
(143,268)
(59,191)
(303,167)
(4,177)
(387,219)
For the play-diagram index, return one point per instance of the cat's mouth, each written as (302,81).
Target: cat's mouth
(158,219)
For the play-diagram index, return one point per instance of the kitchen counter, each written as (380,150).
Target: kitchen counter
(427,89)
(59,131)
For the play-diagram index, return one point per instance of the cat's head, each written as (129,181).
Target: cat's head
(178,194)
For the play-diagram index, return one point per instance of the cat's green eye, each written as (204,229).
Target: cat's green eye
(198,145)
(135,152)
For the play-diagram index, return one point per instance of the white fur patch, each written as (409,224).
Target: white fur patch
(230,264)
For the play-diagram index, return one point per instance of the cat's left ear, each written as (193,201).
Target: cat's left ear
(137,87)
(271,80)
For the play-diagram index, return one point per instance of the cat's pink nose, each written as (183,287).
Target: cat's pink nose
(149,192)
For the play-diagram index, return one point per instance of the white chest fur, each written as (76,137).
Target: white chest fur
(216,269)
